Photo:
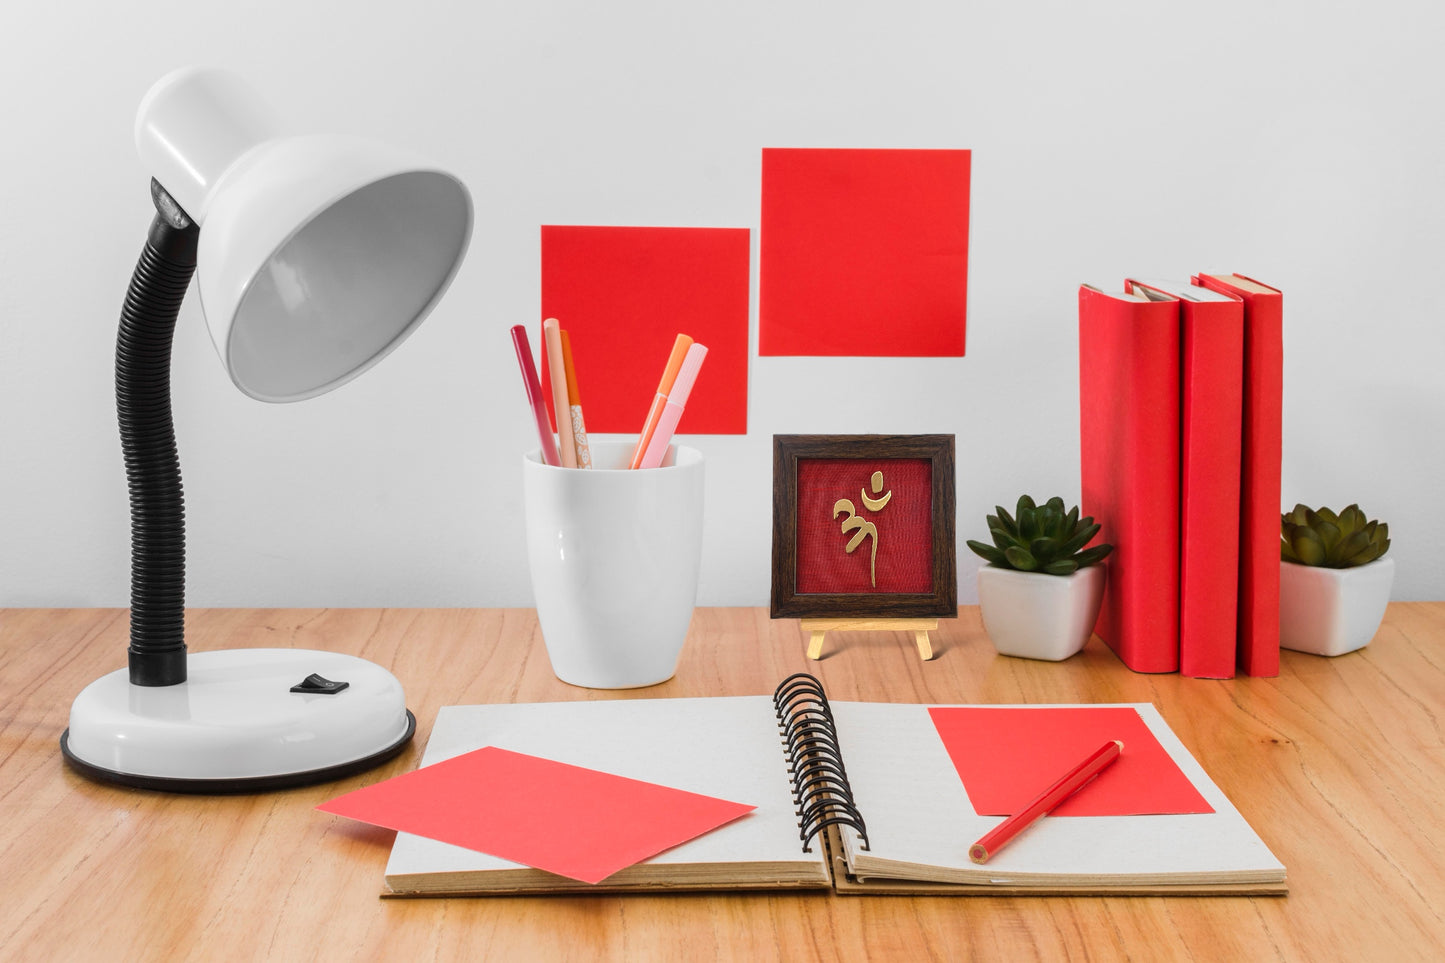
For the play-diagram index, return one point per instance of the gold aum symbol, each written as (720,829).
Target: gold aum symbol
(864,529)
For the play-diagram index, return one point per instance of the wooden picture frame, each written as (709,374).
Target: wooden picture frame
(936,590)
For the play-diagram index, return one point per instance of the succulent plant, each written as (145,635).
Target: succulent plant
(1041,539)
(1320,537)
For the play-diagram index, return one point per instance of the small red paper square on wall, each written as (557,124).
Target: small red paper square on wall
(864,526)
(623,294)
(864,252)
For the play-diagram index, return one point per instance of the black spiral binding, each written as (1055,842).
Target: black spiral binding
(815,764)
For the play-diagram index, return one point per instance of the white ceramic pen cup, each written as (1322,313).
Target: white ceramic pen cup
(614,556)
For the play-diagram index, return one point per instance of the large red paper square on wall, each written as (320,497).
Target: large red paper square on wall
(623,294)
(863,252)
(895,551)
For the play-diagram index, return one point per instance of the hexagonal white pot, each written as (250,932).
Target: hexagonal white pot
(1036,616)
(1331,611)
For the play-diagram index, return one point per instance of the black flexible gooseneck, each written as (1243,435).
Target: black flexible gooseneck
(157,653)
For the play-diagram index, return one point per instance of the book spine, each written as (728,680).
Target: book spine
(1260,461)
(1129,386)
(1213,391)
(821,791)
(1259,643)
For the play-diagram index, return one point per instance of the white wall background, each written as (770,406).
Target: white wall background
(1301,143)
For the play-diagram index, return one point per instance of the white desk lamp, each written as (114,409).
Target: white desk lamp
(316,255)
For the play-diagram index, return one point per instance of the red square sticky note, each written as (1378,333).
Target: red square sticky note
(623,294)
(863,252)
(893,554)
(576,822)
(1007,756)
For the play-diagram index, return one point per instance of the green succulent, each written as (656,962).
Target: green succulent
(1041,539)
(1310,537)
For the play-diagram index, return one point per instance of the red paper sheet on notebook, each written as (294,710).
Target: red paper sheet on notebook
(576,822)
(1006,756)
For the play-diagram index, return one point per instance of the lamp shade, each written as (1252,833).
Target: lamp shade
(318,253)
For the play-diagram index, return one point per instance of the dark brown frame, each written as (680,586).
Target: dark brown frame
(787,603)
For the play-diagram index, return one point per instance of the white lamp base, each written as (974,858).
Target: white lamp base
(236,726)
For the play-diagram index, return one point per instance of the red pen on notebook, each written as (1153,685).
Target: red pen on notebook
(1070,783)
(534,395)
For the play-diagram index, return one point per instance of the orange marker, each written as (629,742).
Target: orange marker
(557,375)
(574,400)
(1065,787)
(659,403)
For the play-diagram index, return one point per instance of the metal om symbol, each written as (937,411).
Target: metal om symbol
(864,529)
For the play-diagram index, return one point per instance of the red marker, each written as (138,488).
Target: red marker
(534,396)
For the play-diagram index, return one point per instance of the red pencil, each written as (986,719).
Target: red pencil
(1065,787)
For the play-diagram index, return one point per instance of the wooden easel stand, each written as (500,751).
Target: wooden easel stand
(919,627)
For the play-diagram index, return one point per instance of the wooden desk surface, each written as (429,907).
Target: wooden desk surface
(1338,764)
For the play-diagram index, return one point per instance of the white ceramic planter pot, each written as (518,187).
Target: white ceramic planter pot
(1331,611)
(1037,616)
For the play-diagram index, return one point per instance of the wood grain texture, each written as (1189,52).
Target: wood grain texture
(1339,764)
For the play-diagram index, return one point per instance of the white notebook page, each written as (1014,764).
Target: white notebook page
(726,747)
(917,811)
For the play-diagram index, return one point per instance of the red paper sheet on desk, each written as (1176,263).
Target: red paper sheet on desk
(576,822)
(623,294)
(1007,756)
(863,252)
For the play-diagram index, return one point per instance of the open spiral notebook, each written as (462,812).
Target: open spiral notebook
(852,797)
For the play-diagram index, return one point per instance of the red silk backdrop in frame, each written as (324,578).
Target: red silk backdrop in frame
(623,294)
(863,253)
(904,525)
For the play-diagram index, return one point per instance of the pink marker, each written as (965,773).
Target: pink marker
(676,400)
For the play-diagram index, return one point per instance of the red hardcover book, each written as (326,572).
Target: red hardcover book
(1211,398)
(1129,460)
(1260,469)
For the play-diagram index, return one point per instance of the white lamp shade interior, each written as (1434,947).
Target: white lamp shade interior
(318,253)
(347,287)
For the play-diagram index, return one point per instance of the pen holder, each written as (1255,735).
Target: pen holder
(614,557)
